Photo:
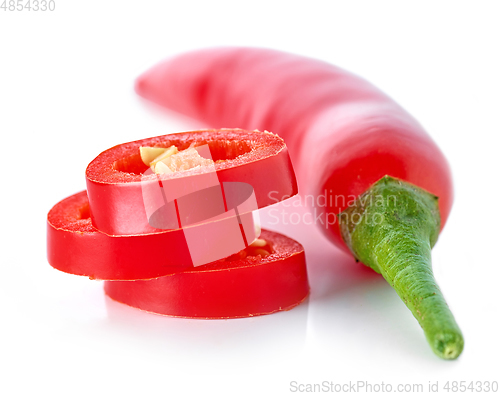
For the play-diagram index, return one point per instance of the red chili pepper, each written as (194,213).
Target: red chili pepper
(228,288)
(350,143)
(116,182)
(76,247)
(343,133)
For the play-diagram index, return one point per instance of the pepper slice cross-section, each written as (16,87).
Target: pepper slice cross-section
(75,246)
(118,180)
(251,286)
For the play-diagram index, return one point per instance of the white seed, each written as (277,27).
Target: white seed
(148,154)
(259,243)
(166,154)
(161,168)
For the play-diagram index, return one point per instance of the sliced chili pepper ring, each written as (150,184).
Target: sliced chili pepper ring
(115,178)
(75,246)
(226,288)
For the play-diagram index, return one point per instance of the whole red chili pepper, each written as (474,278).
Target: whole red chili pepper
(385,187)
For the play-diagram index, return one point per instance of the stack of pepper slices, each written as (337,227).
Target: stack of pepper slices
(182,242)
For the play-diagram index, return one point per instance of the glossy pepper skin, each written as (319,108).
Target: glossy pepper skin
(343,133)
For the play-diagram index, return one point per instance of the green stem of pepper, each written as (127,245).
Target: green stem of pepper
(391,228)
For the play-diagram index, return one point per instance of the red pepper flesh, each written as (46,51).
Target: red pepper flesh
(115,178)
(76,247)
(225,289)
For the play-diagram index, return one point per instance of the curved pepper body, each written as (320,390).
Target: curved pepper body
(343,133)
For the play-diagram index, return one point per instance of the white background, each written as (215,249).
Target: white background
(66,94)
